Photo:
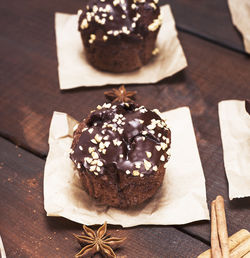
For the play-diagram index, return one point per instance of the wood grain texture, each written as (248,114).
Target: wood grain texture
(29,80)
(27,232)
(207,19)
(219,74)
(30,93)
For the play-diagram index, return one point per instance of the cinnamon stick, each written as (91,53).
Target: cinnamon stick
(234,241)
(222,226)
(237,238)
(241,250)
(246,255)
(215,245)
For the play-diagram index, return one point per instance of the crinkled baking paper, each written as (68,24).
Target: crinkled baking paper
(181,199)
(235,134)
(75,71)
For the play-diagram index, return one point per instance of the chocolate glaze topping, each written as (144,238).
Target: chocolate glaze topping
(105,19)
(126,137)
(247,106)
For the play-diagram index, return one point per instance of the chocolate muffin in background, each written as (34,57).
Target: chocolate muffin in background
(121,151)
(119,35)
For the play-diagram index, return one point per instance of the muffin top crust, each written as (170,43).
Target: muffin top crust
(125,137)
(102,20)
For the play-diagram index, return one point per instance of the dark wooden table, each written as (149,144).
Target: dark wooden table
(218,69)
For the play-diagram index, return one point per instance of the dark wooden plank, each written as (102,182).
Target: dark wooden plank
(27,232)
(29,63)
(208,19)
(219,74)
(30,90)
(30,93)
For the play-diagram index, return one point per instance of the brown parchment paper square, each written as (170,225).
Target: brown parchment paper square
(180,200)
(235,135)
(75,71)
(240,12)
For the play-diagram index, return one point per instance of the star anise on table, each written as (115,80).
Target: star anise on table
(98,242)
(120,95)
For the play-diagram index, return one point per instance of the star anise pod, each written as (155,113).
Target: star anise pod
(120,95)
(98,242)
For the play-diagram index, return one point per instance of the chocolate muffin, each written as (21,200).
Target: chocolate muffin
(119,35)
(121,152)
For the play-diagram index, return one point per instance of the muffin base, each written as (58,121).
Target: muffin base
(120,54)
(116,189)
